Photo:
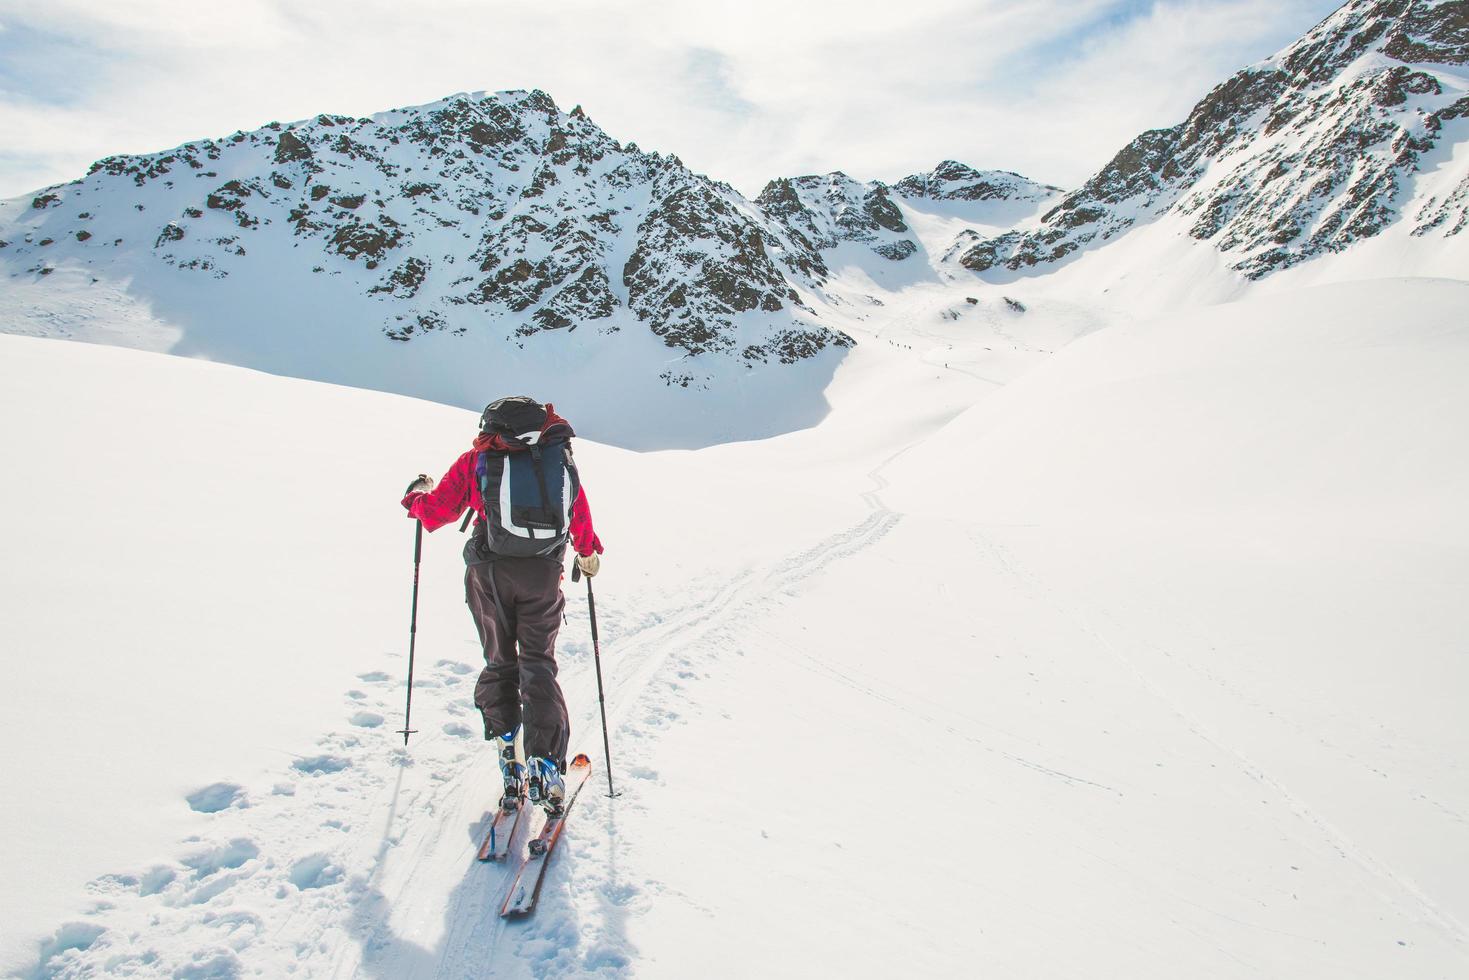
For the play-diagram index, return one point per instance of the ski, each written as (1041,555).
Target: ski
(526,888)
(502,830)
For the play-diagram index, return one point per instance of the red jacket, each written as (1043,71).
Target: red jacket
(459,489)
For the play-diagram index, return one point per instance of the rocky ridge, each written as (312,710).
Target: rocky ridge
(1300,156)
(486,212)
(819,213)
(954,181)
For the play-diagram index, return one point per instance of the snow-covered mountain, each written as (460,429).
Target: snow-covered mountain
(498,223)
(954,181)
(486,211)
(482,242)
(1347,131)
(493,242)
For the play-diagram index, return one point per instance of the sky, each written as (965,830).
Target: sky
(1047,88)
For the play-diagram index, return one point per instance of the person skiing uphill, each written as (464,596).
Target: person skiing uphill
(522,483)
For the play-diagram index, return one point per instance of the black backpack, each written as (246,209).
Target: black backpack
(529,490)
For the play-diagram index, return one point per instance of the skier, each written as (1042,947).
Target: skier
(520,463)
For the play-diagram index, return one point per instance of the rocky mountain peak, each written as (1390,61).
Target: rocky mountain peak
(480,214)
(1408,31)
(1299,156)
(821,212)
(955,181)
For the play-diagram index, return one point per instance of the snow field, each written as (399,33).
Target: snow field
(1144,663)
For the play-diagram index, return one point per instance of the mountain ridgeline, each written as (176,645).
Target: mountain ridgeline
(1303,155)
(495,240)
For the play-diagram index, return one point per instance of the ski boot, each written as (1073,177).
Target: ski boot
(511,771)
(544,784)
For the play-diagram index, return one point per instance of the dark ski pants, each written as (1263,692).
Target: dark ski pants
(518,684)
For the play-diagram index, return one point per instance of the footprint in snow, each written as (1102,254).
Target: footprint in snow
(156,880)
(454,666)
(457,730)
(620,894)
(77,936)
(367,719)
(315,871)
(210,964)
(232,855)
(374,677)
(150,882)
(216,797)
(318,765)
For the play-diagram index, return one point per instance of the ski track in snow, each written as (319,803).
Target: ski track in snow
(1393,887)
(339,917)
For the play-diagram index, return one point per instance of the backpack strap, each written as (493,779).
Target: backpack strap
(535,462)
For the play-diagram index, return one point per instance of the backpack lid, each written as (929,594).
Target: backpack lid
(515,416)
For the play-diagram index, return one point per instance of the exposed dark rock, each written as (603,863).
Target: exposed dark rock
(290,147)
(170,233)
(364,239)
(954,181)
(405,280)
(44,201)
(228,197)
(881,210)
(1424,34)
(896,251)
(817,213)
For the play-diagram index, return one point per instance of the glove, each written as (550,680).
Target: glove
(420,484)
(589,564)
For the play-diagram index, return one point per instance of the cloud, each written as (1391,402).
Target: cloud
(706,81)
(1048,87)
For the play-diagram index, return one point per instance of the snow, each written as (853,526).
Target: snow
(1070,642)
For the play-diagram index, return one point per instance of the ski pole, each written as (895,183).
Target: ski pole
(601,698)
(412,630)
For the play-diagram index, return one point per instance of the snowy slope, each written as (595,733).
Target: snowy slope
(1153,646)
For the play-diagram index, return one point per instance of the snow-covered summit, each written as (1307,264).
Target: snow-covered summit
(954,181)
(497,219)
(486,211)
(1327,143)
